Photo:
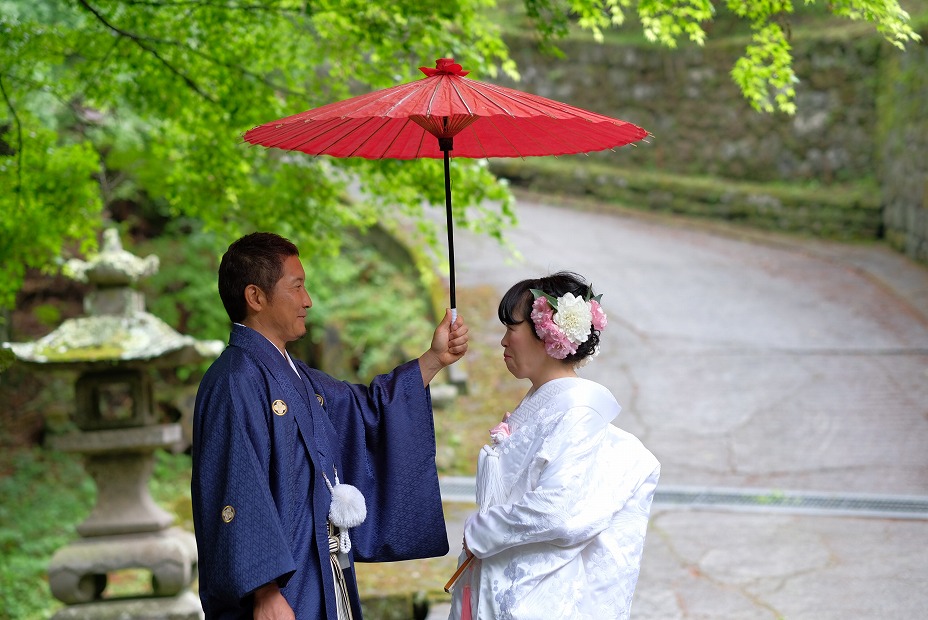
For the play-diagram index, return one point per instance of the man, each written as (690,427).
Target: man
(275,442)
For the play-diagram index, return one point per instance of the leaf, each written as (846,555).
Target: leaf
(540,293)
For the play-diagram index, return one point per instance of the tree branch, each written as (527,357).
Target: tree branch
(245,72)
(142,44)
(146,43)
(212,5)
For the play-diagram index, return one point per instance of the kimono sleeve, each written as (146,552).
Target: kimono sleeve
(387,439)
(241,542)
(573,500)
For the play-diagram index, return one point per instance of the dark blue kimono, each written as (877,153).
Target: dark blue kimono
(262,438)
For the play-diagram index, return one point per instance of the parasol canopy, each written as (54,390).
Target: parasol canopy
(442,113)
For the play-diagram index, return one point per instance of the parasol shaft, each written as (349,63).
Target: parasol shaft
(446,144)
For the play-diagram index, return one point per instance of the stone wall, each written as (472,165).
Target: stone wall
(704,131)
(701,123)
(903,130)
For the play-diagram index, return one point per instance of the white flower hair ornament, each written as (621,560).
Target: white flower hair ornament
(566,322)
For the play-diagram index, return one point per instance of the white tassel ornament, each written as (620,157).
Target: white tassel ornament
(489,479)
(490,490)
(348,509)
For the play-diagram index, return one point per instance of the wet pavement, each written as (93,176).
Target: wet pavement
(782,383)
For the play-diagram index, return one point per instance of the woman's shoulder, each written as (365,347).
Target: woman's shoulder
(581,392)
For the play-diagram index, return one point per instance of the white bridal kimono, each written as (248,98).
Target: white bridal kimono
(566,539)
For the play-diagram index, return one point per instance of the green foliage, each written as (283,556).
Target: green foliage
(148,100)
(6,359)
(376,306)
(183,292)
(766,70)
(889,18)
(665,22)
(45,495)
(49,199)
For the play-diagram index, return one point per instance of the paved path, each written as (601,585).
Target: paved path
(757,363)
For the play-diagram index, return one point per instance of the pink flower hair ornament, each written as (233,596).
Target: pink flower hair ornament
(566,322)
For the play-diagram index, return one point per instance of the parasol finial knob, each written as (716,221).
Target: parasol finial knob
(444,66)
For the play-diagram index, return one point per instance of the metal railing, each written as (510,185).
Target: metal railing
(461,489)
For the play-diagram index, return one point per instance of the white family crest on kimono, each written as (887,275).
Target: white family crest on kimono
(561,530)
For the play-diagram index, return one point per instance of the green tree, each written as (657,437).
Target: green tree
(104,100)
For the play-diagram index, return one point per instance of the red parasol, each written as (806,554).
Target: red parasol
(472,118)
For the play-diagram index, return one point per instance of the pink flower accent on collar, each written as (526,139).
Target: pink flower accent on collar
(500,432)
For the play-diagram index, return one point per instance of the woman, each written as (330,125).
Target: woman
(564,495)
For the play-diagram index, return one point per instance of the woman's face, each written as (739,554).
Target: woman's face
(524,353)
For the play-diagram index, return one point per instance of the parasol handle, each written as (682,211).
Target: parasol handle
(457,573)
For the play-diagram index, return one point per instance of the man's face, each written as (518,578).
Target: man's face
(284,317)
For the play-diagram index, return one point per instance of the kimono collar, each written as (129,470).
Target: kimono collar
(311,426)
(284,353)
(570,392)
(280,365)
(258,344)
(248,338)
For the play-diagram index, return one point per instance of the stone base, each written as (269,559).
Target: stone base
(185,606)
(77,573)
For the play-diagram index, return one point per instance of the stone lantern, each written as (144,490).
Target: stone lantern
(112,349)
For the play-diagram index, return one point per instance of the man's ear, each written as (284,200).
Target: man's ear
(255,298)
